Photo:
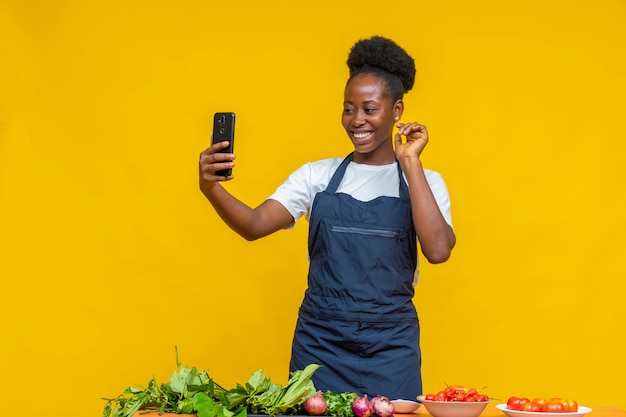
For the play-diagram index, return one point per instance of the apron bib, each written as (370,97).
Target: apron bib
(357,318)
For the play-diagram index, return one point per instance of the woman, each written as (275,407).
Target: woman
(366,212)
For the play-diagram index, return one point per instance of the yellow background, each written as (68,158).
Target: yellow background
(111,257)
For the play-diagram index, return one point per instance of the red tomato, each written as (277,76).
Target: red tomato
(537,404)
(535,408)
(554,405)
(573,406)
(565,404)
(482,398)
(527,407)
(515,403)
(539,401)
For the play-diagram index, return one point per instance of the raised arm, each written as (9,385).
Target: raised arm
(435,235)
(250,223)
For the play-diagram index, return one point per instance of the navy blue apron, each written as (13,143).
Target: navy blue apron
(357,318)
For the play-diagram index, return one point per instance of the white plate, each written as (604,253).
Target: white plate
(405,406)
(514,413)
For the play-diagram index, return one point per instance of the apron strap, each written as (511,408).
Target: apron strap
(404,189)
(338,175)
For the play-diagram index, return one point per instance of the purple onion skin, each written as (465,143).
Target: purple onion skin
(362,407)
(316,404)
(382,406)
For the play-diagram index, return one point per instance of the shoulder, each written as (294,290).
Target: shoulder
(296,194)
(318,171)
(325,164)
(436,182)
(432,175)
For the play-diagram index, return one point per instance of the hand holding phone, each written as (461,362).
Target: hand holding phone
(224,130)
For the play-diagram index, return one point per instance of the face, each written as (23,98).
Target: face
(369,117)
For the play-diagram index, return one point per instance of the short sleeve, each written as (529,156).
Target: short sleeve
(440,192)
(295,193)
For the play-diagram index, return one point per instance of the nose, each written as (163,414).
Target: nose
(358,119)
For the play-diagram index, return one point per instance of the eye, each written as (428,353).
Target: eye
(370,110)
(348,110)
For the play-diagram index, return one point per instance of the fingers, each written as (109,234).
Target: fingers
(216,147)
(398,139)
(416,139)
(212,160)
(413,130)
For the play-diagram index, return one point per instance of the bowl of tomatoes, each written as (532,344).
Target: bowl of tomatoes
(455,401)
(542,407)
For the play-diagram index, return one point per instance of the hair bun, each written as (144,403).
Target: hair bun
(385,54)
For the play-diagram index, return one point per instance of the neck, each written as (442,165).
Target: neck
(379,157)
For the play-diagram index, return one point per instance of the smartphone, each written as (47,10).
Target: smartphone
(224,129)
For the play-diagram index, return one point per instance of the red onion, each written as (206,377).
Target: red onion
(316,404)
(362,407)
(382,406)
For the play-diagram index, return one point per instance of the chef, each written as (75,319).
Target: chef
(368,213)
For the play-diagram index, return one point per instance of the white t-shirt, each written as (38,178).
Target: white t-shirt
(361,181)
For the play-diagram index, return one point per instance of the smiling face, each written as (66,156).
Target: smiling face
(369,113)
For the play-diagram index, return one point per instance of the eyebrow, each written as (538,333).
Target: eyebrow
(365,102)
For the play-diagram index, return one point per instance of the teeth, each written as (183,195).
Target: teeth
(361,135)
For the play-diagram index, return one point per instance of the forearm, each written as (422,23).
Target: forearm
(250,223)
(434,234)
(237,215)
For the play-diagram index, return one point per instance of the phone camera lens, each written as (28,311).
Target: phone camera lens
(222,119)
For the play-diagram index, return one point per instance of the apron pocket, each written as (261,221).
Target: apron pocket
(392,234)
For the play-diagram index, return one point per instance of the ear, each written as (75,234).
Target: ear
(398,109)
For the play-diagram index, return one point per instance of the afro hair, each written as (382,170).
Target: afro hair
(383,57)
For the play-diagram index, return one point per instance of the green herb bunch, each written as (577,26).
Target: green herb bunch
(193,391)
(340,403)
(260,396)
(176,396)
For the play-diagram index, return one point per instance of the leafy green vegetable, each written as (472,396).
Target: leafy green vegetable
(190,390)
(207,407)
(339,404)
(261,396)
(177,396)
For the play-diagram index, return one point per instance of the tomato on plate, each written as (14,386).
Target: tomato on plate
(573,406)
(516,403)
(570,406)
(537,404)
(554,405)
(527,407)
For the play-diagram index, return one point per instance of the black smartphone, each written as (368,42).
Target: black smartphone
(224,129)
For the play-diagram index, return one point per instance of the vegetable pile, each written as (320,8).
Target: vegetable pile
(553,405)
(192,391)
(456,393)
(379,405)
